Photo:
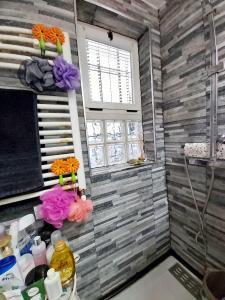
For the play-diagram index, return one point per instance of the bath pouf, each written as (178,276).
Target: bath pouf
(37,73)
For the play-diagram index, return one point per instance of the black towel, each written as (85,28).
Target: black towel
(20,158)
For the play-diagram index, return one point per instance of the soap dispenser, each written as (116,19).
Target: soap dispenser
(53,285)
(39,251)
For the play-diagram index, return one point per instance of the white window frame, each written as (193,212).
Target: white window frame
(109,111)
(86,31)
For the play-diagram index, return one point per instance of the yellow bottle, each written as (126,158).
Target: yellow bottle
(63,262)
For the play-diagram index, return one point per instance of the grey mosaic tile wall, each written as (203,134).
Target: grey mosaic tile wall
(130,222)
(130,207)
(184,49)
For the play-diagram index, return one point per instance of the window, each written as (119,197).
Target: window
(111,90)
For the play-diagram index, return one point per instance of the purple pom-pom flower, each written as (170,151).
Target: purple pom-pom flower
(67,76)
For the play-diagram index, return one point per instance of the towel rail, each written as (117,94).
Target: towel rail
(58,116)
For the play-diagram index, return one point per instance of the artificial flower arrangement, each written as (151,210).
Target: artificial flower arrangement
(59,205)
(42,75)
(45,34)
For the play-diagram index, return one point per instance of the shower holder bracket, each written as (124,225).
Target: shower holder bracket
(215,69)
(209,9)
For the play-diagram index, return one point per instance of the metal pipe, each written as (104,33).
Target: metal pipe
(214,85)
(152,92)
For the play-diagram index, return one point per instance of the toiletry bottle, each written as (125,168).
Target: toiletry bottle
(53,285)
(63,262)
(10,277)
(5,239)
(13,231)
(55,237)
(27,232)
(39,251)
(25,263)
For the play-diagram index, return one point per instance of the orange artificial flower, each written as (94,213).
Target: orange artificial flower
(56,36)
(72,164)
(40,31)
(58,167)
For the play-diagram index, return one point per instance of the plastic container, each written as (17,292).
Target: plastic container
(36,274)
(53,285)
(25,263)
(5,239)
(39,251)
(27,232)
(63,262)
(13,231)
(10,277)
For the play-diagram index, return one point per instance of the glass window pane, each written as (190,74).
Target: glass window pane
(134,130)
(134,151)
(116,154)
(95,132)
(96,154)
(114,131)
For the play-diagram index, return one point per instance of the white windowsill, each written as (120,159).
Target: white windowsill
(118,168)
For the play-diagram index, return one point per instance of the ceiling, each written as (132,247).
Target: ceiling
(156,3)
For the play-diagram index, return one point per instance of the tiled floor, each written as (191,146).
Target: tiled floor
(158,284)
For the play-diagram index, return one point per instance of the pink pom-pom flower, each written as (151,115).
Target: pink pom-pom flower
(55,206)
(79,210)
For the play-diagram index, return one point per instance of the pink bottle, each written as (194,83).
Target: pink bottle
(39,251)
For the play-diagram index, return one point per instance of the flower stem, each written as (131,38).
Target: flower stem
(73,177)
(59,47)
(60,179)
(42,46)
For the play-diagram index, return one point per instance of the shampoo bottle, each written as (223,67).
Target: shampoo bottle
(63,262)
(53,285)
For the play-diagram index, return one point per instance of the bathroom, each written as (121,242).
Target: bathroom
(150,150)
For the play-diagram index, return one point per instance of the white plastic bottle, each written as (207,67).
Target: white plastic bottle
(53,285)
(27,232)
(39,251)
(25,263)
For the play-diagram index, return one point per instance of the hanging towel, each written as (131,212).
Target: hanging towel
(20,158)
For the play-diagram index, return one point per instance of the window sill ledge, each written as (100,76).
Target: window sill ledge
(118,168)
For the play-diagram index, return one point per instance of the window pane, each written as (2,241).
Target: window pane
(114,131)
(95,132)
(134,150)
(109,73)
(116,154)
(134,131)
(96,154)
